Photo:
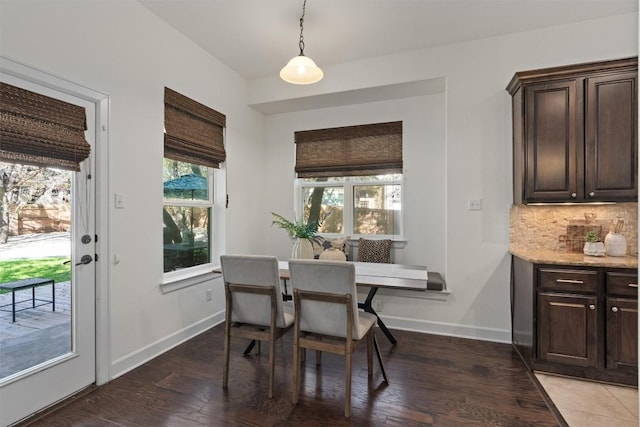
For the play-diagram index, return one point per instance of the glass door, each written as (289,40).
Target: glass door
(47,277)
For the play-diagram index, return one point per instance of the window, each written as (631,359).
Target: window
(186,214)
(193,149)
(350,178)
(373,204)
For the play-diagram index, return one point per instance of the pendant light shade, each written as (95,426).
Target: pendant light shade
(301,70)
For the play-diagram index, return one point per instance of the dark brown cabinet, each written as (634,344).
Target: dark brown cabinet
(577,321)
(574,133)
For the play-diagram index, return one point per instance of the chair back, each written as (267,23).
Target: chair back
(258,271)
(326,277)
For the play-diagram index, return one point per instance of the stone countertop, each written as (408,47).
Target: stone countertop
(547,256)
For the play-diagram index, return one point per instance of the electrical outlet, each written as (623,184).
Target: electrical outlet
(377,305)
(208,294)
(475,204)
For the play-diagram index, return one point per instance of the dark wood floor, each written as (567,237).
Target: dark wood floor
(434,381)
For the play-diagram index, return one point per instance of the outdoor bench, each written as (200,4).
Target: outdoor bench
(32,283)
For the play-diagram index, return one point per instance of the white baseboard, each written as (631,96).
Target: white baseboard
(448,329)
(131,361)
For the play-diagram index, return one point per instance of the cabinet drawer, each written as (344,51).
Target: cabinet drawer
(625,284)
(567,280)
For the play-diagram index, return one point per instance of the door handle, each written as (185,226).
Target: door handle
(86,259)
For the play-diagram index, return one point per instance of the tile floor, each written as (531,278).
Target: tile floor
(590,404)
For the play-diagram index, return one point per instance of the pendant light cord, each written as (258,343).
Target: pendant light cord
(301,44)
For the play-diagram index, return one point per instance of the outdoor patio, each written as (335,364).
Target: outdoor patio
(38,334)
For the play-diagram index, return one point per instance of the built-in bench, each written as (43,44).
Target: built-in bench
(435,282)
(32,284)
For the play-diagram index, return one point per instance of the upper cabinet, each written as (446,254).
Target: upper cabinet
(574,133)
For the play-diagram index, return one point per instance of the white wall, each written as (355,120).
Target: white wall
(477,131)
(121,49)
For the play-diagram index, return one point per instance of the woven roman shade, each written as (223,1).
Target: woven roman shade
(38,130)
(373,149)
(194,133)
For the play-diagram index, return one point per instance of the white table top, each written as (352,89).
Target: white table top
(379,275)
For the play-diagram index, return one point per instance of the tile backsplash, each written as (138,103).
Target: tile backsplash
(545,226)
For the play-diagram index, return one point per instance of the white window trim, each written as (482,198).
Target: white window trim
(348,184)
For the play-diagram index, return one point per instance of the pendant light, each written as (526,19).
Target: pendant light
(301,70)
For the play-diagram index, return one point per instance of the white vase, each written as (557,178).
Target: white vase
(594,248)
(302,249)
(615,244)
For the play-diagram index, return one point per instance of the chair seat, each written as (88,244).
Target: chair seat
(365,322)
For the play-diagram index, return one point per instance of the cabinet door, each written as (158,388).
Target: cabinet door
(622,333)
(552,132)
(611,167)
(567,329)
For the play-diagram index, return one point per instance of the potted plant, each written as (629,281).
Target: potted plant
(593,246)
(303,233)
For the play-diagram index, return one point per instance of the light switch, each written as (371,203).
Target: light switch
(119,200)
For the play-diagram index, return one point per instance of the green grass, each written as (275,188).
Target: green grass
(50,268)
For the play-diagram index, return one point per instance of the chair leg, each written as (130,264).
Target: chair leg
(370,352)
(347,385)
(296,369)
(377,347)
(272,365)
(318,357)
(227,344)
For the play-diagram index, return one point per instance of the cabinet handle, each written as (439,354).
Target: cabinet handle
(614,309)
(633,285)
(592,307)
(592,194)
(574,195)
(576,282)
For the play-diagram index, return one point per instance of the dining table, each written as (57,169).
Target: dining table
(374,276)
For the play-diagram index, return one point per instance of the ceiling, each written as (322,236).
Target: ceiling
(257,37)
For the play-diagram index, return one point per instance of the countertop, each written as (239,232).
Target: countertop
(547,256)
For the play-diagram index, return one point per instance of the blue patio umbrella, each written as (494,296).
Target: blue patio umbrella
(190,186)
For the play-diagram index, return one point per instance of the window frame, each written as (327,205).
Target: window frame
(348,183)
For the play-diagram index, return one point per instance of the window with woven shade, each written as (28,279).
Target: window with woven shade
(39,130)
(350,179)
(193,150)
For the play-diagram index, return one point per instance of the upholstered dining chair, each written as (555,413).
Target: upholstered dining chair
(327,318)
(254,307)
(378,250)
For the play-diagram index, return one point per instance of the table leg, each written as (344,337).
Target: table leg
(249,348)
(53,294)
(33,296)
(13,304)
(366,306)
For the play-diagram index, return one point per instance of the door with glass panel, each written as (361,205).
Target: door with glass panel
(47,251)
